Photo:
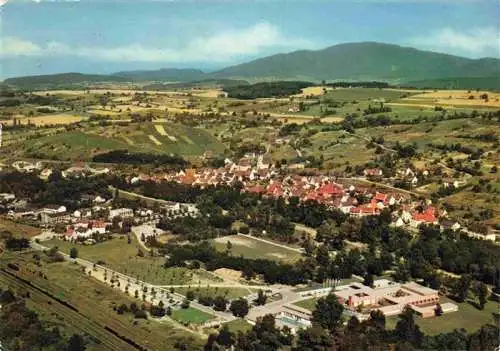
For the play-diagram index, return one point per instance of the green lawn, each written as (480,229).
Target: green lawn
(467,317)
(239,325)
(191,315)
(230,293)
(309,304)
(251,248)
(122,257)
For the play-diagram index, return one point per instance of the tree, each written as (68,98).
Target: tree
(368,281)
(461,287)
(261,298)
(220,303)
(190,295)
(313,339)
(328,313)
(225,337)
(482,293)
(73,253)
(185,304)
(6,297)
(407,329)
(239,307)
(76,343)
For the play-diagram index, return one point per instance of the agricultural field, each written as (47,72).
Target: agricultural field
(163,138)
(18,229)
(94,302)
(252,248)
(454,98)
(49,119)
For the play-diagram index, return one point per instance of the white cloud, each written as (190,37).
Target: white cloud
(17,46)
(474,42)
(220,47)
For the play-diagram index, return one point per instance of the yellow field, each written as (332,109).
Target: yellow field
(154,140)
(209,93)
(316,91)
(452,98)
(61,118)
(159,128)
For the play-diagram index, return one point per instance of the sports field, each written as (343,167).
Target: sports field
(252,248)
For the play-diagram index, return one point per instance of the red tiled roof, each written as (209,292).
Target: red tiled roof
(427,216)
(330,189)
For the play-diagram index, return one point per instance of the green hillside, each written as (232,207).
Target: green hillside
(156,138)
(62,80)
(164,74)
(489,83)
(363,61)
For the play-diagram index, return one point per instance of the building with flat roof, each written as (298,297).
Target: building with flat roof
(390,298)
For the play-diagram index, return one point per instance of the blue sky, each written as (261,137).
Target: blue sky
(104,36)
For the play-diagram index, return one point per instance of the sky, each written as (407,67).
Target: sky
(106,36)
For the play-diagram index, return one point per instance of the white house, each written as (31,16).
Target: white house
(121,212)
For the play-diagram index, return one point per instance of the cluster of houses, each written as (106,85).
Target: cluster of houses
(258,176)
(78,171)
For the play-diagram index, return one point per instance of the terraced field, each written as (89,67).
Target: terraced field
(166,138)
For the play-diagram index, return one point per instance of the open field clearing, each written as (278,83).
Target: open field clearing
(239,325)
(308,304)
(453,98)
(316,91)
(18,229)
(122,257)
(191,316)
(94,304)
(349,94)
(251,248)
(209,93)
(61,118)
(229,293)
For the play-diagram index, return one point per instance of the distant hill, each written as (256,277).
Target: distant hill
(201,84)
(363,61)
(61,80)
(467,83)
(368,61)
(164,75)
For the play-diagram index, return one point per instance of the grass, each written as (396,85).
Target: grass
(309,304)
(95,302)
(229,293)
(253,249)
(191,315)
(122,257)
(468,317)
(145,137)
(239,325)
(18,229)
